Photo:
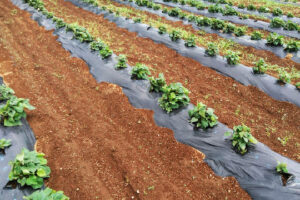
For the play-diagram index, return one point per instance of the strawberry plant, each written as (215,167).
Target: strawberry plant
(203,21)
(277,23)
(93,2)
(215,9)
(275,40)
(175,35)
(240,31)
(4,144)
(191,18)
(292,46)
(137,20)
(251,7)
(156,7)
(140,71)
(29,168)
(13,111)
(241,6)
(97,45)
(290,15)
(229,11)
(105,52)
(182,2)
(263,9)
(190,41)
(121,62)
(232,57)
(182,15)
(59,22)
(277,12)
(6,93)
(162,29)
(290,26)
(297,85)
(156,84)
(256,35)
(37,4)
(203,117)
(200,6)
(80,33)
(260,67)
(281,168)
(165,10)
(241,138)
(174,12)
(212,49)
(217,24)
(174,96)
(229,28)
(284,77)
(47,194)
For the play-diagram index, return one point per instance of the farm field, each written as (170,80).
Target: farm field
(138,99)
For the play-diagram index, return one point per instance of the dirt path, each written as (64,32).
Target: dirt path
(98,146)
(234,103)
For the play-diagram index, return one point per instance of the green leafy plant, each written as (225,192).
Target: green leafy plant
(260,67)
(297,85)
(37,4)
(203,21)
(241,6)
(13,111)
(276,22)
(212,49)
(232,57)
(290,15)
(217,24)
(256,35)
(281,168)
(97,45)
(59,22)
(162,29)
(174,12)
(277,12)
(241,138)
(137,20)
(191,18)
(263,9)
(6,92)
(215,8)
(174,96)
(156,7)
(229,28)
(175,35)
(240,31)
(251,7)
(290,26)
(165,10)
(156,84)
(203,117)
(140,71)
(275,40)
(80,33)
(182,15)
(4,143)
(93,2)
(29,168)
(229,11)
(284,77)
(121,62)
(105,52)
(190,41)
(200,6)
(292,46)
(47,194)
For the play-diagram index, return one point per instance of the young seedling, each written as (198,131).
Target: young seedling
(97,45)
(229,28)
(260,67)
(297,85)
(4,144)
(277,23)
(6,93)
(277,12)
(59,22)
(140,71)
(256,35)
(47,194)
(290,15)
(105,52)
(175,35)
(281,168)
(240,31)
(29,168)
(292,46)
(156,84)
(233,58)
(162,29)
(284,77)
(80,33)
(121,62)
(251,7)
(190,41)
(290,26)
(241,138)
(137,20)
(212,49)
(217,24)
(203,117)
(174,96)
(275,40)
(13,111)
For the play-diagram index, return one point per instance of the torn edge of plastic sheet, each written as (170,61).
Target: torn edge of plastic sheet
(255,171)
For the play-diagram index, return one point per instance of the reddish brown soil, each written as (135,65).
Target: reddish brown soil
(233,103)
(98,146)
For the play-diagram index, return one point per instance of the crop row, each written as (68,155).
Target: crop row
(190,41)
